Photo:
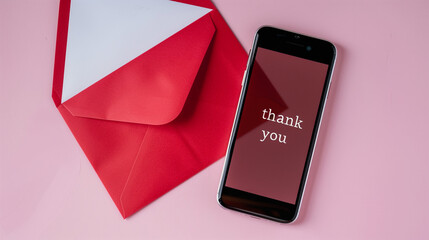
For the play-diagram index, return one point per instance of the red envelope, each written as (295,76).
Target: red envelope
(157,119)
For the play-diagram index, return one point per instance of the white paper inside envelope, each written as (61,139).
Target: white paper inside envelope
(104,35)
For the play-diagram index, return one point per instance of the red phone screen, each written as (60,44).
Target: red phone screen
(276,125)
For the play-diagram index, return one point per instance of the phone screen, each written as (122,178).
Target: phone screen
(276,125)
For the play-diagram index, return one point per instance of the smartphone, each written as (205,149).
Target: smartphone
(284,91)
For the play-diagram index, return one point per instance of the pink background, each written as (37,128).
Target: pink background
(370,174)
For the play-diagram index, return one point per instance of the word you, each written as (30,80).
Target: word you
(284,120)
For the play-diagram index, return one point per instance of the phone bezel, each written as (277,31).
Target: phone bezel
(296,45)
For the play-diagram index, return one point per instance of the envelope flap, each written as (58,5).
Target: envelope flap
(152,88)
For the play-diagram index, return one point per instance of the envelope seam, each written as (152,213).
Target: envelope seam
(131,170)
(192,149)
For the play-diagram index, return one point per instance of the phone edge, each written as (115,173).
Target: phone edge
(223,176)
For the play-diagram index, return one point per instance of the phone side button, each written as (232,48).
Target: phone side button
(244,77)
